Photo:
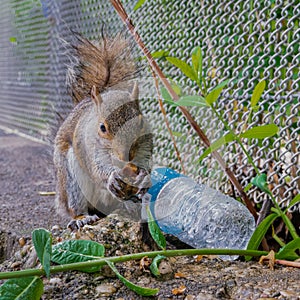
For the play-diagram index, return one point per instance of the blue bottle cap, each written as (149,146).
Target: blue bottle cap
(159,177)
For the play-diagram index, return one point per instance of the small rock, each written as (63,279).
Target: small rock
(288,294)
(85,292)
(189,297)
(25,250)
(22,241)
(31,261)
(144,281)
(120,224)
(204,296)
(16,264)
(55,281)
(55,228)
(105,289)
(107,272)
(165,270)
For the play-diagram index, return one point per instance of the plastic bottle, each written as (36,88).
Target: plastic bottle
(198,215)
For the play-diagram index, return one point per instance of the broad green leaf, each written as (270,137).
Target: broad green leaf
(294,201)
(257,92)
(197,62)
(138,4)
(27,288)
(137,289)
(289,250)
(215,93)
(42,241)
(189,100)
(155,263)
(260,232)
(155,231)
(261,182)
(260,132)
(229,137)
(77,251)
(183,66)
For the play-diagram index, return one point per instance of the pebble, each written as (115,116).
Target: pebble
(105,289)
(16,264)
(190,297)
(55,281)
(22,241)
(31,260)
(288,293)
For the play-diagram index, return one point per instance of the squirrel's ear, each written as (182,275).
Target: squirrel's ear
(96,98)
(135,92)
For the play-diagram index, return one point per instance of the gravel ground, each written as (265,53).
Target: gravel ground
(25,171)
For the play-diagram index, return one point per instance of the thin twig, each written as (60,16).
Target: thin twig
(163,111)
(154,66)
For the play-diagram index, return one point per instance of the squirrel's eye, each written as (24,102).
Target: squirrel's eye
(102,128)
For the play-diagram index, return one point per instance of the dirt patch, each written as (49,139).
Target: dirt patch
(25,170)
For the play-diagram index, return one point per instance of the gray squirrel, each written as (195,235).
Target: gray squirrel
(103,149)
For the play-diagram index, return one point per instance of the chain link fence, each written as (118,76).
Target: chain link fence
(243,41)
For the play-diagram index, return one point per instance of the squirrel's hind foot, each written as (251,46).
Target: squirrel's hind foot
(80,221)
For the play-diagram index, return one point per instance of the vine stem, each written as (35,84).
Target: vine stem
(154,66)
(136,256)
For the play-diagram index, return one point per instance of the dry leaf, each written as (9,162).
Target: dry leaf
(179,291)
(198,258)
(270,258)
(179,275)
(145,262)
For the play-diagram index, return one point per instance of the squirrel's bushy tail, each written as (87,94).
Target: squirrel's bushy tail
(102,63)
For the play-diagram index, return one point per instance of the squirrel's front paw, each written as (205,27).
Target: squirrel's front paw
(118,187)
(80,221)
(129,182)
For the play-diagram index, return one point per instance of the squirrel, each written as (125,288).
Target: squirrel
(103,149)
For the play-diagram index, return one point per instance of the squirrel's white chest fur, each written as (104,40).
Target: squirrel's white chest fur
(96,195)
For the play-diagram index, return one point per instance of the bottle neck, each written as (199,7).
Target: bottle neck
(159,177)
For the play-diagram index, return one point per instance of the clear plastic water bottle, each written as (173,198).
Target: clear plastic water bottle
(198,215)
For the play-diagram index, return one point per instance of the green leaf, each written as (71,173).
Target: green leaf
(13,39)
(155,263)
(197,62)
(260,232)
(257,92)
(294,201)
(247,187)
(159,54)
(176,88)
(260,132)
(155,231)
(229,137)
(215,93)
(137,289)
(27,288)
(289,250)
(183,66)
(189,100)
(42,241)
(165,95)
(78,251)
(260,181)
(138,4)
